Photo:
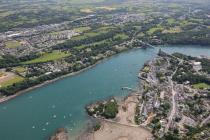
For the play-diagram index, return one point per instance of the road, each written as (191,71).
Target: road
(205,121)
(174,93)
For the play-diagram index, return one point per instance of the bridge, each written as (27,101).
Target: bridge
(148,45)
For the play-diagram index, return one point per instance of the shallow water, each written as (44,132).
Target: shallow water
(36,115)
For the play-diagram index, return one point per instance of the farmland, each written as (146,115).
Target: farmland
(45,57)
(82,29)
(11,81)
(19,69)
(201,86)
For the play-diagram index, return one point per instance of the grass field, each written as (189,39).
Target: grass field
(80,47)
(173,30)
(84,1)
(105,29)
(79,30)
(184,23)
(86,35)
(108,8)
(82,29)
(12,44)
(152,30)
(121,36)
(16,79)
(141,35)
(19,69)
(91,33)
(201,86)
(55,55)
(171,21)
(80,37)
(92,44)
(86,10)
(107,41)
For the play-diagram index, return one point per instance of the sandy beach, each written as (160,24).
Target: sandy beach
(116,131)
(127,110)
(123,127)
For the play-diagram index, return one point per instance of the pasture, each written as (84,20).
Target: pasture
(45,57)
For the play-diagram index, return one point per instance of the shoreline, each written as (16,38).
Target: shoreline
(8,98)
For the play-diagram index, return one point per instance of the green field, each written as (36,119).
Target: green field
(55,55)
(86,10)
(121,36)
(16,79)
(184,23)
(201,86)
(84,1)
(173,30)
(87,35)
(80,47)
(19,69)
(141,35)
(91,33)
(152,30)
(102,30)
(82,29)
(79,30)
(92,44)
(108,8)
(79,37)
(105,28)
(171,21)
(12,44)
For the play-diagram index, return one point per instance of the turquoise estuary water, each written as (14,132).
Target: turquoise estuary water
(38,113)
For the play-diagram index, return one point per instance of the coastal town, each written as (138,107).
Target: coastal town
(169,104)
(175,99)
